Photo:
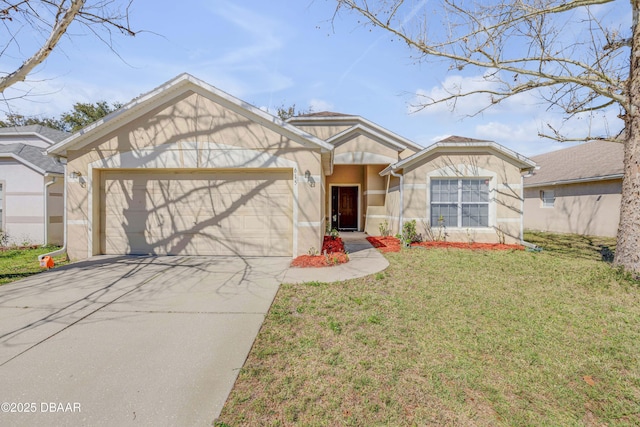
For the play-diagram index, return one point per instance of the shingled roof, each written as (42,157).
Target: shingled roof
(53,135)
(31,156)
(456,138)
(590,161)
(324,114)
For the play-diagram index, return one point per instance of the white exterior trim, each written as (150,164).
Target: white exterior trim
(172,89)
(362,158)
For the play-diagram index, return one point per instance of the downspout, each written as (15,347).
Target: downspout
(528,245)
(401,198)
(63,249)
(46,208)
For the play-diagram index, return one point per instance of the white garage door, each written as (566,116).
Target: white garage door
(196,213)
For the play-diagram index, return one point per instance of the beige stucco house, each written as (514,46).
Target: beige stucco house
(576,190)
(189,169)
(31,186)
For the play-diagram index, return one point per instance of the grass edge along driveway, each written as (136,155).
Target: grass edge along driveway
(452,337)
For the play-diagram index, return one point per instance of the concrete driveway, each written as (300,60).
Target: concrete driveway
(130,340)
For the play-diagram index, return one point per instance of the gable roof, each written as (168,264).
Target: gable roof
(589,161)
(357,124)
(171,90)
(31,156)
(48,134)
(461,145)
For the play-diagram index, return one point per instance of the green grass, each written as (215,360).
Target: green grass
(16,264)
(452,337)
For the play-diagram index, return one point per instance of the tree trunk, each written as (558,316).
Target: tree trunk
(628,247)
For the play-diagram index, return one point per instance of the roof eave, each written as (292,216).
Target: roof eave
(359,120)
(161,94)
(523,162)
(24,162)
(575,180)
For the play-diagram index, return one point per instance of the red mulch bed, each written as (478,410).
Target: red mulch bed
(385,244)
(334,248)
(392,244)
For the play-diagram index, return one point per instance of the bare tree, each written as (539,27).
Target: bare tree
(48,20)
(572,54)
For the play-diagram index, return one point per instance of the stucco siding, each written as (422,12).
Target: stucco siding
(323,132)
(191,133)
(23,203)
(590,208)
(505,194)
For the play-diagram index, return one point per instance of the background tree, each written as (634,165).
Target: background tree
(47,21)
(84,114)
(81,115)
(285,113)
(572,54)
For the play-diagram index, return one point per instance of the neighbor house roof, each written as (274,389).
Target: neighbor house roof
(171,90)
(590,161)
(324,114)
(51,135)
(358,124)
(459,144)
(32,157)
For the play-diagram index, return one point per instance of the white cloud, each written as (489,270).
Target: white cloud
(473,104)
(317,105)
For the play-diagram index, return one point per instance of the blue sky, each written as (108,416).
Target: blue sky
(278,53)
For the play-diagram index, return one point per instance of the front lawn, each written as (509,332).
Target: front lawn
(16,264)
(451,337)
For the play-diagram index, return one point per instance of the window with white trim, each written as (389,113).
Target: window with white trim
(460,202)
(548,198)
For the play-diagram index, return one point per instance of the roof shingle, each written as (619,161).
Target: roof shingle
(590,160)
(32,155)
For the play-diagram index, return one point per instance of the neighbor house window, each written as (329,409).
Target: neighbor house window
(548,198)
(460,202)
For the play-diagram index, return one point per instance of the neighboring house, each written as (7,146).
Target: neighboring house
(31,186)
(188,169)
(576,190)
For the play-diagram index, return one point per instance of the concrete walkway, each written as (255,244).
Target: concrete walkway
(364,260)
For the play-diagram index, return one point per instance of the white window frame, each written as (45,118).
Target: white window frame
(460,203)
(548,198)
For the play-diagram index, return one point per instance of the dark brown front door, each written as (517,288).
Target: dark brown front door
(344,208)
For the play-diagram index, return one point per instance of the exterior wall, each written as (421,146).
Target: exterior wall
(322,131)
(505,194)
(374,199)
(33,140)
(55,211)
(363,150)
(191,131)
(23,199)
(590,208)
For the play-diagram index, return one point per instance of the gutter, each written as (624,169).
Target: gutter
(63,249)
(575,180)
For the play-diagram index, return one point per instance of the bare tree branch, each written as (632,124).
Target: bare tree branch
(53,18)
(575,76)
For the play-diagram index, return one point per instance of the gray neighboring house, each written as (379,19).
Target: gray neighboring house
(31,186)
(576,190)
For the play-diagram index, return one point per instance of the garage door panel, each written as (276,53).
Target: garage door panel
(204,213)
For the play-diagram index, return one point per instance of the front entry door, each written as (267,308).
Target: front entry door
(344,208)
